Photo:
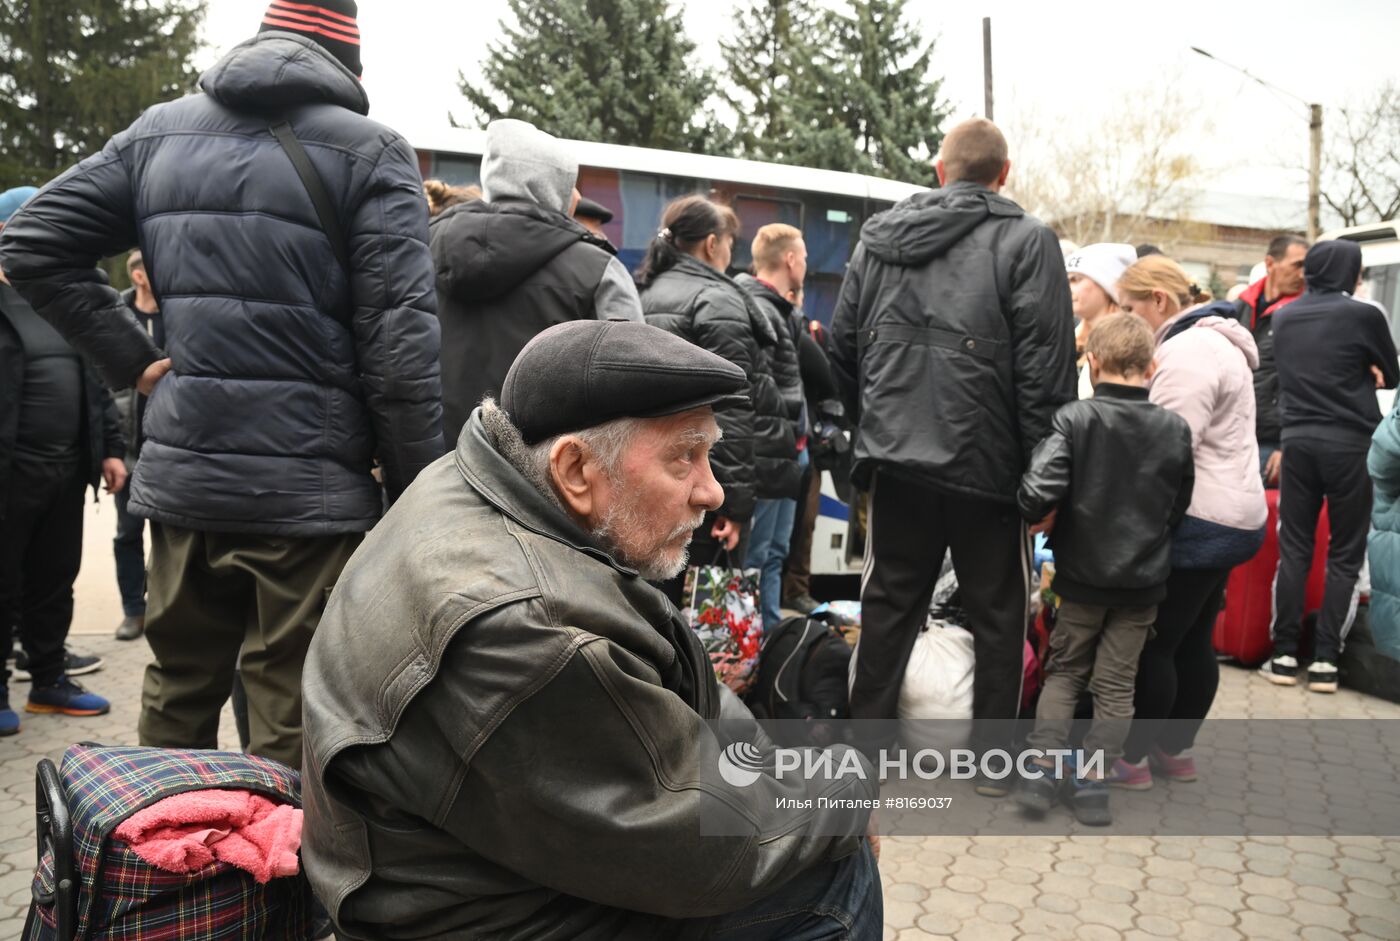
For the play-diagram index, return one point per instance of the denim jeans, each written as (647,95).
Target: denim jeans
(130,552)
(770,534)
(840,901)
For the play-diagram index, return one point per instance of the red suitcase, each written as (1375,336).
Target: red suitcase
(1242,629)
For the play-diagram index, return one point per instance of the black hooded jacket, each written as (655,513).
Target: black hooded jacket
(1325,344)
(290,375)
(101,435)
(953,341)
(505,272)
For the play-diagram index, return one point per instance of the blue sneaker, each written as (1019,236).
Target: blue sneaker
(66,698)
(9,719)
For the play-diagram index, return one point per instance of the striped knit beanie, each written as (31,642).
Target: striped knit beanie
(330,22)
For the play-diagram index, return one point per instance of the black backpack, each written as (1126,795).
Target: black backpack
(803,673)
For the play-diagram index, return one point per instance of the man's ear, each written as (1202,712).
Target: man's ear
(1151,370)
(1091,360)
(938,169)
(1005,172)
(569,466)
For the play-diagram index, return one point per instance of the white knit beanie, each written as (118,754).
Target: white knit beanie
(1103,263)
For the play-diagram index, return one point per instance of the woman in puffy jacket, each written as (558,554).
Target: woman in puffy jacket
(1205,374)
(1383,545)
(685,291)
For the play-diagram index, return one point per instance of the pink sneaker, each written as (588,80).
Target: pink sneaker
(1174,767)
(1130,777)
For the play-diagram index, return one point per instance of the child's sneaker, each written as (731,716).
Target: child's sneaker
(66,698)
(1129,776)
(1088,798)
(1180,767)
(9,719)
(1322,677)
(1036,796)
(1281,671)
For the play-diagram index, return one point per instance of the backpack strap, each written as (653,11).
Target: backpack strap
(320,197)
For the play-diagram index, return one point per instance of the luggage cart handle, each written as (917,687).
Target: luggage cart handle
(54,828)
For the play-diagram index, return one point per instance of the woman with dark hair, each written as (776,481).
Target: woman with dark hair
(685,291)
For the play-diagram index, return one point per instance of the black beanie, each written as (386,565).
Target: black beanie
(330,22)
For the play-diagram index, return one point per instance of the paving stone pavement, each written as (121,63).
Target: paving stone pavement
(1076,888)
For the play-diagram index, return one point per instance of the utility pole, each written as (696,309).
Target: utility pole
(1314,143)
(1315,173)
(987,66)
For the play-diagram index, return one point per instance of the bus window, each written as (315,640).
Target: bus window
(457,169)
(644,196)
(754,213)
(830,230)
(1381,283)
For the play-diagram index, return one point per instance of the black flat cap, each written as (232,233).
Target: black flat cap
(583,373)
(588,209)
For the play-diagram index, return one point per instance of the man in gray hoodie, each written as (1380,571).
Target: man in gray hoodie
(516,262)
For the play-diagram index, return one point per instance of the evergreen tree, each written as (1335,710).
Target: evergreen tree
(872,91)
(617,71)
(768,68)
(75,72)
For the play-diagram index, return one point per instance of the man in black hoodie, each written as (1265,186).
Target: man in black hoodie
(954,336)
(1332,352)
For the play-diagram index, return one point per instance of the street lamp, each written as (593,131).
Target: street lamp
(1315,142)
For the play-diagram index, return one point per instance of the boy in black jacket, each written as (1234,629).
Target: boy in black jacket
(1112,478)
(1332,353)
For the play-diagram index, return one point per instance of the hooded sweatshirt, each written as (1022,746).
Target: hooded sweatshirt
(1205,363)
(514,264)
(953,341)
(1325,344)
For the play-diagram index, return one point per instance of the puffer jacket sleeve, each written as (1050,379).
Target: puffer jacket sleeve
(721,325)
(1047,480)
(397,336)
(49,251)
(843,348)
(1042,337)
(634,779)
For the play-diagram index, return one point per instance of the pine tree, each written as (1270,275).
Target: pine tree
(768,67)
(617,71)
(75,72)
(873,91)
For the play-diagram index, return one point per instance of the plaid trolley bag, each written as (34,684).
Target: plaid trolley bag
(90,885)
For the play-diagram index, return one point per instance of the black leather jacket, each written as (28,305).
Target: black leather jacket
(506,735)
(1119,471)
(953,341)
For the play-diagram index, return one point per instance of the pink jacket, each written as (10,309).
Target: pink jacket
(1205,375)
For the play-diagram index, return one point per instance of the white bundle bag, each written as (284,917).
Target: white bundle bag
(937,686)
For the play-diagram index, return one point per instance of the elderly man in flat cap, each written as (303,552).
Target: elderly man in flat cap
(509,732)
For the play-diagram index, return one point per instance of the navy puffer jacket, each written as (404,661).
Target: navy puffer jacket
(273,412)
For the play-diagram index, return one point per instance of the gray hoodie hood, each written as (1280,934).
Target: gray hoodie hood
(275,71)
(524,163)
(926,225)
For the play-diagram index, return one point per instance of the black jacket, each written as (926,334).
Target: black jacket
(757,458)
(511,735)
(782,358)
(289,376)
(102,436)
(131,405)
(1325,344)
(505,272)
(953,340)
(1120,472)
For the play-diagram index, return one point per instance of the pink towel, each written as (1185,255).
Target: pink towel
(187,832)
